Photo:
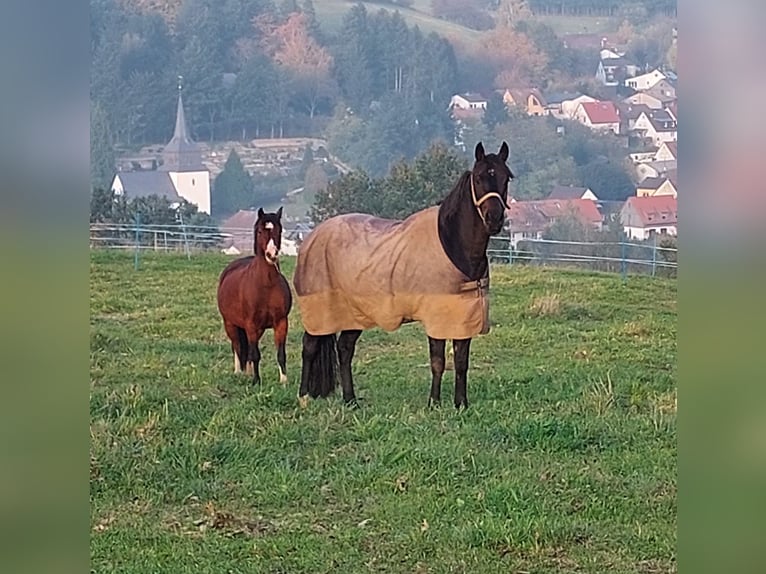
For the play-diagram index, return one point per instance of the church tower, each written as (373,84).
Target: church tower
(182,160)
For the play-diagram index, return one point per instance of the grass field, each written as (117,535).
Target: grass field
(565,461)
(330,15)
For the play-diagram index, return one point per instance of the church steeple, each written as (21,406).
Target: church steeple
(181,153)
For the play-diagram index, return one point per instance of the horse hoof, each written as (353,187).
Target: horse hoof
(432,404)
(303,401)
(283,379)
(352,404)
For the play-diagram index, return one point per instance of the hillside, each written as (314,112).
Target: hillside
(566,460)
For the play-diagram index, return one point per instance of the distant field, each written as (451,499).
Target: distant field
(330,14)
(565,461)
(580,24)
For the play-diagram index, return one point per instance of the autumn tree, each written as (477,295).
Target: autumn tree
(517,60)
(293,48)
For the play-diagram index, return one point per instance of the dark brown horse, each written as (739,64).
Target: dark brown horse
(254,296)
(356,272)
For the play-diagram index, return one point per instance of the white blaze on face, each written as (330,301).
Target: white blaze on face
(271,250)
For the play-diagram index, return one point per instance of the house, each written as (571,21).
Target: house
(629,113)
(663,90)
(468,101)
(668,151)
(132,184)
(238,234)
(530,219)
(644,99)
(529,99)
(554,102)
(599,116)
(570,192)
(645,81)
(613,71)
(656,126)
(665,185)
(181,164)
(569,107)
(644,217)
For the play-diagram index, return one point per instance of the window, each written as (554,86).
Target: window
(192,181)
(663,230)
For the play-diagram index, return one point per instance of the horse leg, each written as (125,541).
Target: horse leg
(253,337)
(346,346)
(308,354)
(232,332)
(319,367)
(280,338)
(462,349)
(436,350)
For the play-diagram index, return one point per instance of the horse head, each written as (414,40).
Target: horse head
(489,186)
(268,235)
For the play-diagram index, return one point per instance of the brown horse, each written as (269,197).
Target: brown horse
(254,296)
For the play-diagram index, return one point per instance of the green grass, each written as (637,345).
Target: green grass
(565,461)
(330,15)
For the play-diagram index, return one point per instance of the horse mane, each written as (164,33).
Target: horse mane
(450,205)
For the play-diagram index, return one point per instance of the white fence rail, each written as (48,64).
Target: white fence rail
(624,257)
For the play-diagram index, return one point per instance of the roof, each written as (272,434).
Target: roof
(473,97)
(601,112)
(145,183)
(558,97)
(181,153)
(651,183)
(243,219)
(613,62)
(538,215)
(632,111)
(654,210)
(672,148)
(521,95)
(567,192)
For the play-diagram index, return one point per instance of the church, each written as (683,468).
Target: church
(180,173)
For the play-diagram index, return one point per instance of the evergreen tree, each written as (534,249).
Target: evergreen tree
(496,112)
(232,188)
(102,161)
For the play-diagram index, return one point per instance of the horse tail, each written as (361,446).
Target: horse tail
(323,367)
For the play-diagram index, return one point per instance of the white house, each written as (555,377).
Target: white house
(644,217)
(645,81)
(599,116)
(658,126)
(468,101)
(569,107)
(180,175)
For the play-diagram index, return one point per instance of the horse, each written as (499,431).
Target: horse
(253,296)
(355,272)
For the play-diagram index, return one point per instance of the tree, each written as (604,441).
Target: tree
(232,188)
(102,161)
(496,112)
(408,188)
(292,47)
(609,180)
(516,58)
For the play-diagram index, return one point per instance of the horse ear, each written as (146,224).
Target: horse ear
(479,152)
(260,212)
(279,212)
(504,152)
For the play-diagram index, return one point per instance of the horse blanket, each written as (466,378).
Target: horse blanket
(356,271)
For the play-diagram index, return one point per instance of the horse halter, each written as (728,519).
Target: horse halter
(485,197)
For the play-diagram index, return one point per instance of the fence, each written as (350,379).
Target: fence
(616,256)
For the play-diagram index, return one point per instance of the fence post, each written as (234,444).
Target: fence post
(623,263)
(510,245)
(138,224)
(183,230)
(654,256)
